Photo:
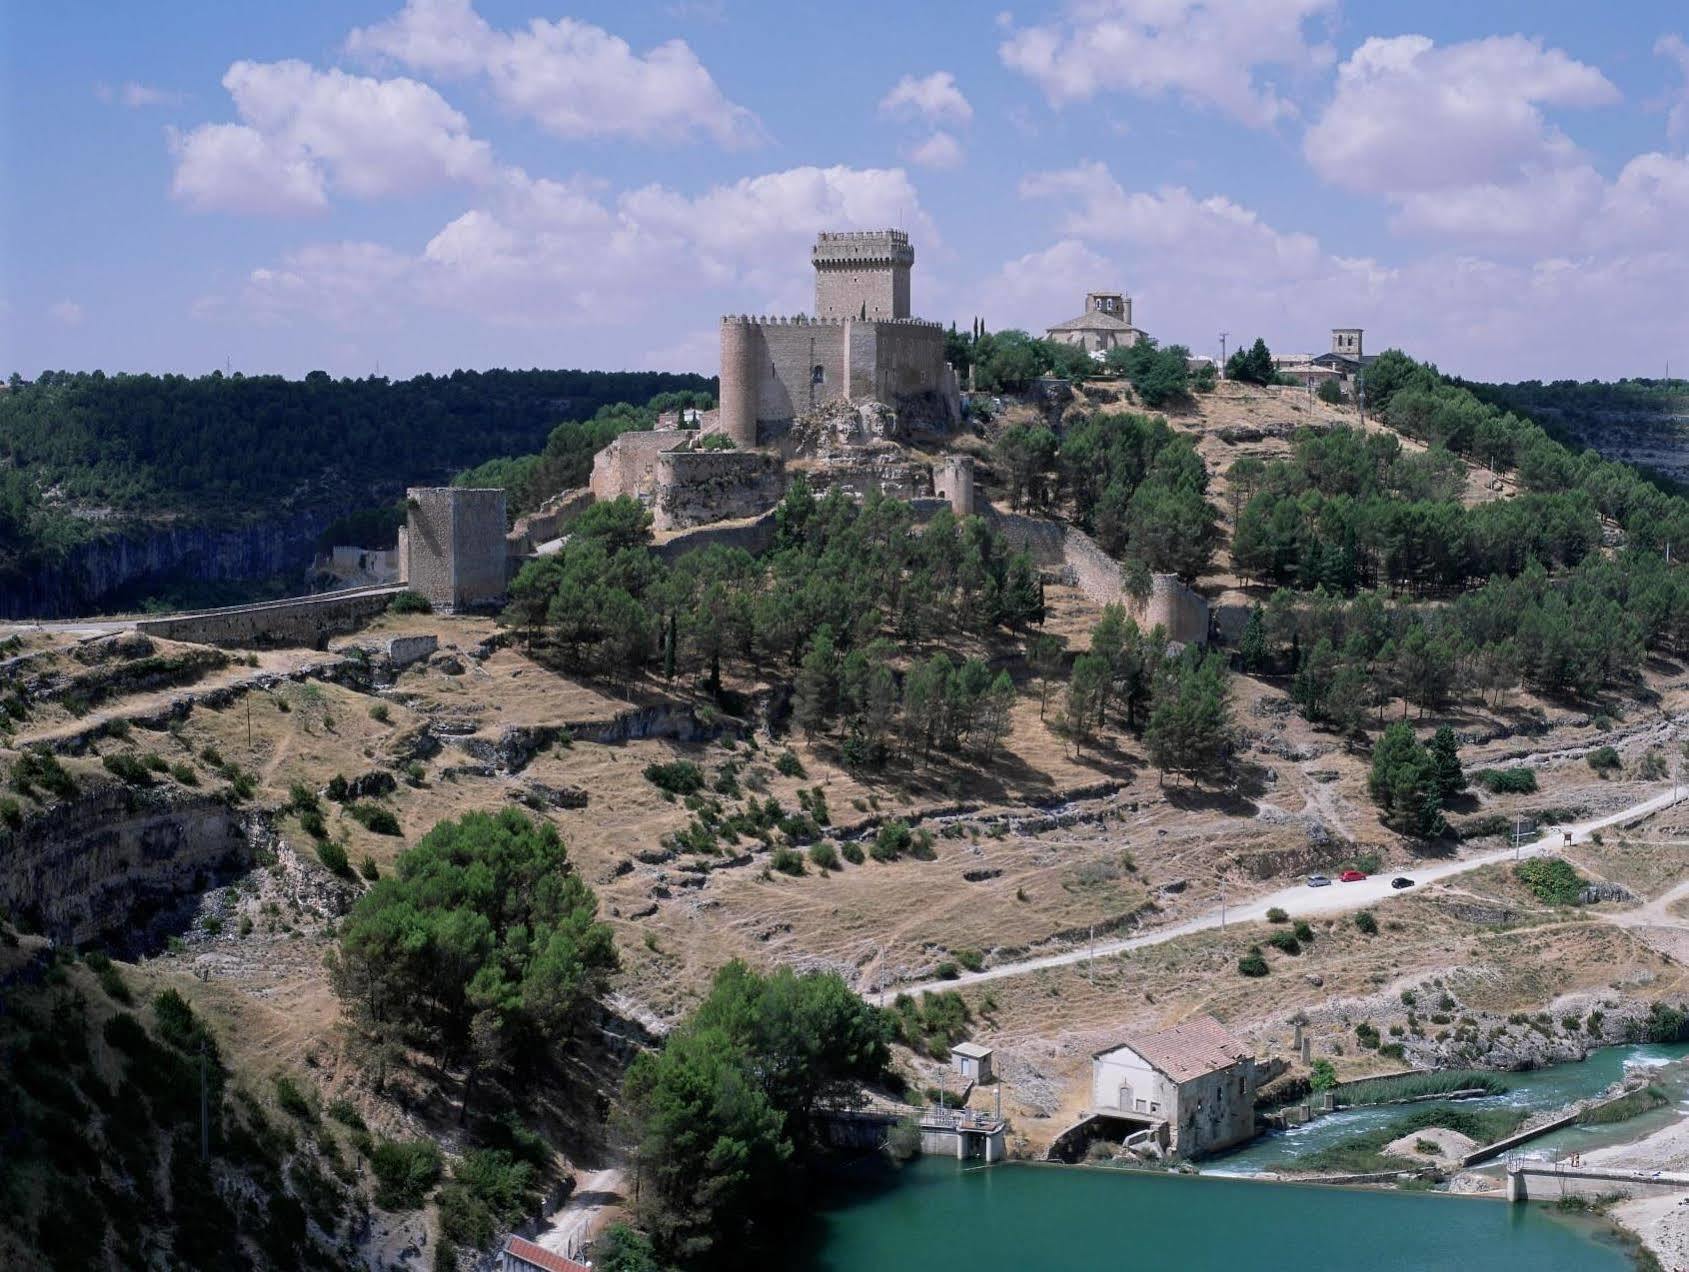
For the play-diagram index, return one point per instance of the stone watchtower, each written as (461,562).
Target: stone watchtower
(1114,304)
(862,275)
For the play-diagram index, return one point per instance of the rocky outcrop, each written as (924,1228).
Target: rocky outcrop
(119,866)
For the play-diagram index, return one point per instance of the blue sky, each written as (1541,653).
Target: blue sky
(1501,187)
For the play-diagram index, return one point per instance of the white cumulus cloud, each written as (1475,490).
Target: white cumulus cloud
(941,150)
(574,79)
(137,96)
(306,131)
(935,98)
(541,253)
(1211,53)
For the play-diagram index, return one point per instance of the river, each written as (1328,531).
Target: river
(1537,1089)
(936,1214)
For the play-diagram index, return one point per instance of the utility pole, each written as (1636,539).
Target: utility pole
(1222,907)
(1223,336)
(204,1109)
(1091,963)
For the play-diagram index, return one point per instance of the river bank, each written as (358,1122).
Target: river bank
(1662,1223)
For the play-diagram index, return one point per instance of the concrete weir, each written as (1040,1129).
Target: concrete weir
(1529,1180)
(964,1134)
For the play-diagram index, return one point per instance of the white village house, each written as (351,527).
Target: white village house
(1195,1077)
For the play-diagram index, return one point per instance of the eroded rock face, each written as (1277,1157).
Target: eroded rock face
(120,867)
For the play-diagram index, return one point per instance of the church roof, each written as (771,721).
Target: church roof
(1188,1049)
(1096,320)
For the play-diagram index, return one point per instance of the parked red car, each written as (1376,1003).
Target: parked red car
(1352,876)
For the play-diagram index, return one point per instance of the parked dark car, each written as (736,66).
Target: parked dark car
(1401,881)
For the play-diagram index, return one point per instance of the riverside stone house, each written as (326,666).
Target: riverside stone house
(1195,1077)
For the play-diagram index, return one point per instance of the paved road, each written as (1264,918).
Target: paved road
(1300,900)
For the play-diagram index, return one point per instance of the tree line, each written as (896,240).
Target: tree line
(606,605)
(1127,479)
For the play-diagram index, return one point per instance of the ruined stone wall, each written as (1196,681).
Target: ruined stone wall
(1179,611)
(755,537)
(697,487)
(628,465)
(456,546)
(547,522)
(304,622)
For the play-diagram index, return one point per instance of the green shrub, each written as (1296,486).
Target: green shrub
(892,841)
(374,818)
(292,1100)
(1285,941)
(487,1193)
(334,857)
(380,713)
(1367,1035)
(1304,931)
(1603,759)
(405,1172)
(1551,880)
(1510,781)
(185,774)
(410,603)
(853,853)
(823,856)
(788,765)
(1276,915)
(678,777)
(345,1112)
(973,960)
(787,861)
(369,869)
(127,769)
(110,978)
(314,825)
(1254,963)
(1367,922)
(155,763)
(947,970)
(11,812)
(1322,1075)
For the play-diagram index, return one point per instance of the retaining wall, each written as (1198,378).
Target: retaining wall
(305,621)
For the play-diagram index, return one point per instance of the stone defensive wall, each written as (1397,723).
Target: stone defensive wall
(697,487)
(628,465)
(306,621)
(547,521)
(755,536)
(1175,608)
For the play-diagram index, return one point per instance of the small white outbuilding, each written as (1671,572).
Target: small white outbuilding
(972,1061)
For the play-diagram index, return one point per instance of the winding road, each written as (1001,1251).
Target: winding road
(1300,899)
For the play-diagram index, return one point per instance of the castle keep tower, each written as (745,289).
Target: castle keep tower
(863,274)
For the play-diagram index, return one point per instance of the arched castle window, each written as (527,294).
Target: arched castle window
(818,374)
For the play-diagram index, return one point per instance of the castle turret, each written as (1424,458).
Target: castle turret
(953,479)
(862,274)
(739,366)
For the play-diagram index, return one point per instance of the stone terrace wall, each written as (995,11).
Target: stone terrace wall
(696,487)
(305,621)
(755,536)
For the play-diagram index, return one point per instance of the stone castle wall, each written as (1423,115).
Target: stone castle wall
(774,370)
(305,621)
(697,487)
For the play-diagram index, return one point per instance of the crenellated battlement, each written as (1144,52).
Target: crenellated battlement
(810,320)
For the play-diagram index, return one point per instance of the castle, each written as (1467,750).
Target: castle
(860,343)
(837,396)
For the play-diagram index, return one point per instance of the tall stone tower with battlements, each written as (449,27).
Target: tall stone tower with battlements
(862,274)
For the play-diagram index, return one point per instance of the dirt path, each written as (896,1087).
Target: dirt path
(1303,900)
(568,1231)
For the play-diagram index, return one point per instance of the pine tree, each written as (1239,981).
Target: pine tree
(1252,645)
(1445,755)
(815,698)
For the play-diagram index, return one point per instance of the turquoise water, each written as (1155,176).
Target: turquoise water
(1013,1217)
(1538,1089)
